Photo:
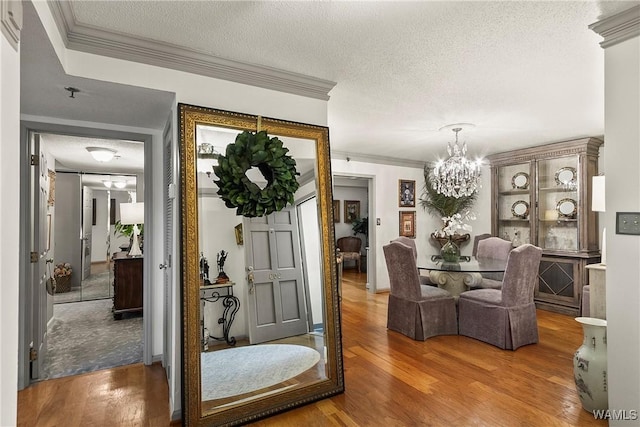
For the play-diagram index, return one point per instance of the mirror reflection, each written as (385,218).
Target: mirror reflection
(258,287)
(264,318)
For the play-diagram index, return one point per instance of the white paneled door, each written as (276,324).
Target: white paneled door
(276,300)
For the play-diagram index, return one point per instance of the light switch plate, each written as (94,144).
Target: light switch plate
(628,223)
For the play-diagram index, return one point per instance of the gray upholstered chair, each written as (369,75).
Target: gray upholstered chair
(476,240)
(415,310)
(494,248)
(505,318)
(350,247)
(424,280)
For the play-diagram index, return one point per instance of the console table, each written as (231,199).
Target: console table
(231,304)
(127,284)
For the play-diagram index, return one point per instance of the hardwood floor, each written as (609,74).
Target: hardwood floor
(390,380)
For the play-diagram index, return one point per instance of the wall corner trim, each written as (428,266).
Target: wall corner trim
(88,39)
(618,28)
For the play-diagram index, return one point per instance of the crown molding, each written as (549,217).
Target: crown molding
(382,160)
(618,28)
(92,40)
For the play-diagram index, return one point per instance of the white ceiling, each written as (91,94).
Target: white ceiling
(524,72)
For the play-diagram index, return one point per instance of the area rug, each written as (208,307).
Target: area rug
(235,371)
(84,337)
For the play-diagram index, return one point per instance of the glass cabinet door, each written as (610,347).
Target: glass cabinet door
(558,201)
(514,203)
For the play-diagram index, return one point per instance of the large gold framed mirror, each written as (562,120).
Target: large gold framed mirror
(261,319)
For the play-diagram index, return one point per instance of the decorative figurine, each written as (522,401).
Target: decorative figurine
(222,276)
(204,270)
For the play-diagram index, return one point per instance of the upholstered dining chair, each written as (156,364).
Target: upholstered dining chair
(505,317)
(494,248)
(424,280)
(415,310)
(476,240)
(350,247)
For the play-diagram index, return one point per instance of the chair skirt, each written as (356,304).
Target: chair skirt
(422,319)
(505,327)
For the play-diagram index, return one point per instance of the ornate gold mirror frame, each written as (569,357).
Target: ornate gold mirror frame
(195,411)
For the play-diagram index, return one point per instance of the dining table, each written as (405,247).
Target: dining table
(457,277)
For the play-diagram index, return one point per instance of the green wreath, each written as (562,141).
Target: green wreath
(270,157)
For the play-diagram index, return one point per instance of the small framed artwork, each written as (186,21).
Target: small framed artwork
(112,212)
(48,232)
(52,188)
(239,236)
(406,193)
(408,224)
(336,211)
(351,210)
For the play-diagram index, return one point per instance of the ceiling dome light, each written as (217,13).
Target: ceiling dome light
(107,183)
(101,154)
(119,184)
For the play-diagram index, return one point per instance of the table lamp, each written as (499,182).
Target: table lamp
(597,205)
(133,214)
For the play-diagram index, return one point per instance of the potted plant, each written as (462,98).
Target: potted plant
(446,208)
(126,230)
(361,226)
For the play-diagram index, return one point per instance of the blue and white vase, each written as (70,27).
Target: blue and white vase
(590,365)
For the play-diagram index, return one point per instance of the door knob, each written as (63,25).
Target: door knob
(163,266)
(250,279)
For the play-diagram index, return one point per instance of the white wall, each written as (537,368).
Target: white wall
(385,202)
(216,228)
(622,157)
(9,232)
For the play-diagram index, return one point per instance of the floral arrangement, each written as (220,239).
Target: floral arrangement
(455,223)
(63,269)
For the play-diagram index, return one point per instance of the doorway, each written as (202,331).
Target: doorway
(353,209)
(76,209)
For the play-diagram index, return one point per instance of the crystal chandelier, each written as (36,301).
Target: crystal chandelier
(457,176)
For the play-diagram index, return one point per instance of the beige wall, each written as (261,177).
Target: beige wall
(9,218)
(622,160)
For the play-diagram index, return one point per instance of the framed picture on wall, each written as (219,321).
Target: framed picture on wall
(112,212)
(52,188)
(406,193)
(336,211)
(351,210)
(408,224)
(239,235)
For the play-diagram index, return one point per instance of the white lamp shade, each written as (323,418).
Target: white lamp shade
(597,189)
(132,213)
(119,184)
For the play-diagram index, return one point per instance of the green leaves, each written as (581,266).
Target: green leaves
(270,156)
(439,204)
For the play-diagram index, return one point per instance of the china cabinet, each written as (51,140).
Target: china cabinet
(542,195)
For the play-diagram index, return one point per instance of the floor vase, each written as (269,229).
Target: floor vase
(590,365)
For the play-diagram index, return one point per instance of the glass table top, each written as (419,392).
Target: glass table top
(468,264)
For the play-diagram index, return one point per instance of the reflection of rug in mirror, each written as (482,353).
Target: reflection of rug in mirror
(235,371)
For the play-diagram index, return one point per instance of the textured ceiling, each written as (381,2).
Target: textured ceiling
(524,72)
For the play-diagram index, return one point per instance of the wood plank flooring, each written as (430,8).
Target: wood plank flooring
(391,380)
